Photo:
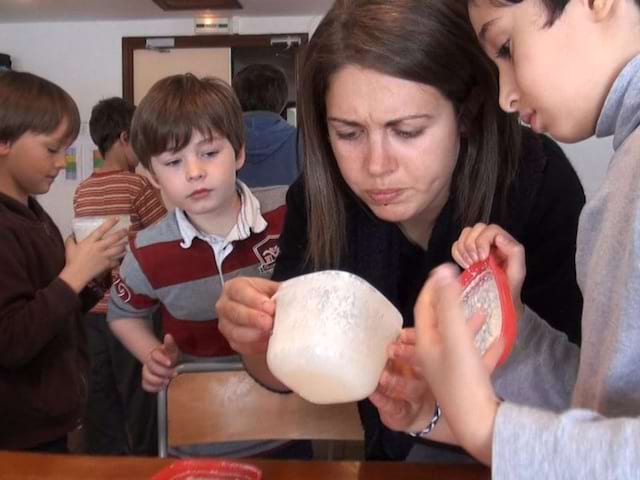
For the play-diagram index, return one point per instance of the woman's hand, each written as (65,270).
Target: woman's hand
(245,313)
(402,397)
(476,242)
(452,365)
(159,366)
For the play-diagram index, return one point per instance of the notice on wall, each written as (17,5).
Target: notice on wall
(71,164)
(82,158)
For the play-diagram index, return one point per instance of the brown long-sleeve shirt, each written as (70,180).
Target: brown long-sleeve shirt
(43,352)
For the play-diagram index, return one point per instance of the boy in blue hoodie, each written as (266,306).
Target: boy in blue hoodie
(271,143)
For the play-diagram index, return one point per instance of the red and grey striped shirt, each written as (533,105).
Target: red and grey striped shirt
(174,267)
(118,192)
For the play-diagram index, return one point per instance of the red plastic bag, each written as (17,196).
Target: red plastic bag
(208,470)
(486,289)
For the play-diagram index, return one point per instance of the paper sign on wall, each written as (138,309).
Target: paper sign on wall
(71,164)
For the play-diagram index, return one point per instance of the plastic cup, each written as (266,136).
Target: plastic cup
(84,226)
(330,336)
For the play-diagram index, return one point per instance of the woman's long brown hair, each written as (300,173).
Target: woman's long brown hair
(425,41)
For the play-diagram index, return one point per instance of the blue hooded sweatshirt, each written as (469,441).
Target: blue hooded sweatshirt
(271,150)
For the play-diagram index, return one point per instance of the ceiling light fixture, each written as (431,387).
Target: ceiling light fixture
(174,5)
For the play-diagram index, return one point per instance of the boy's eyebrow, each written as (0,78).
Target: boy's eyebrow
(485,29)
(210,138)
(390,123)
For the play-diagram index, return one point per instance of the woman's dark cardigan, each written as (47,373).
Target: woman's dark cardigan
(544,202)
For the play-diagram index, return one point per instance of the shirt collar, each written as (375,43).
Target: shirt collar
(249,220)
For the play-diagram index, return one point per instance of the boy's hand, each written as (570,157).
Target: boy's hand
(402,397)
(159,367)
(476,242)
(245,313)
(99,252)
(452,365)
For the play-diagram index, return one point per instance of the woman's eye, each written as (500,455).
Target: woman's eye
(505,50)
(348,135)
(409,133)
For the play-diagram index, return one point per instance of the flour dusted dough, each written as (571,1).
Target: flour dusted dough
(330,335)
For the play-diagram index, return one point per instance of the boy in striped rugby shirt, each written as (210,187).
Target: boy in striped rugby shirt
(120,417)
(188,133)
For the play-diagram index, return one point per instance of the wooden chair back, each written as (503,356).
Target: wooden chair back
(219,402)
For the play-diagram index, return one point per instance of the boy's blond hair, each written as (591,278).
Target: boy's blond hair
(177,106)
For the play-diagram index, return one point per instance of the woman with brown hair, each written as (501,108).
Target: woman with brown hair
(404,146)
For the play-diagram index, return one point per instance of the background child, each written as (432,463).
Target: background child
(188,133)
(571,69)
(44,283)
(271,143)
(120,416)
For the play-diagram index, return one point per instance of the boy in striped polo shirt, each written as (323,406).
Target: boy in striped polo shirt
(188,133)
(120,417)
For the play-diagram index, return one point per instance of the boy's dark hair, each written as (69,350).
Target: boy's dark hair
(176,106)
(109,118)
(261,87)
(554,8)
(29,103)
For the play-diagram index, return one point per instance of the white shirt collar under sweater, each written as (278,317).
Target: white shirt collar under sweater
(249,220)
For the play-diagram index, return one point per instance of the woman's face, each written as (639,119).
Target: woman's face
(396,143)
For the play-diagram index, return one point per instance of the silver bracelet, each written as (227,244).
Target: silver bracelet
(431,425)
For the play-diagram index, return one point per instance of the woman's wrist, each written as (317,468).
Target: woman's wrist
(431,425)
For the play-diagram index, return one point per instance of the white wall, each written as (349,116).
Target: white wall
(85,58)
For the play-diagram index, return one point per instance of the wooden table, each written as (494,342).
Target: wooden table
(33,466)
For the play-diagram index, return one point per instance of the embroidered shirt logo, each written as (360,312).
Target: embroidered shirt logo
(122,290)
(267,251)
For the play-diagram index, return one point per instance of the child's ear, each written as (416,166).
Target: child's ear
(124,138)
(151,176)
(5,148)
(601,9)
(240,157)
